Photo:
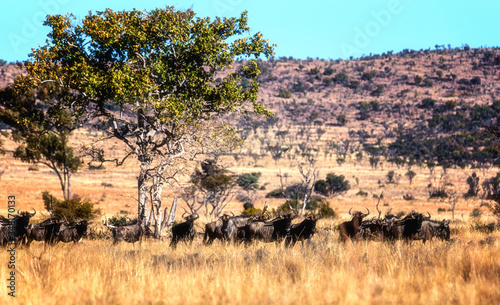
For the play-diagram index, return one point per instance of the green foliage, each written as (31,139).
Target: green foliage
(325,210)
(427,103)
(212,178)
(341,77)
(248,181)
(71,209)
(120,220)
(410,175)
(328,71)
(418,79)
(332,186)
(277,193)
(390,177)
(251,212)
(43,133)
(369,76)
(473,182)
(342,119)
(476,213)
(285,93)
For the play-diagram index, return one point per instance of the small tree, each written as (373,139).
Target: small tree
(473,182)
(43,134)
(410,175)
(212,187)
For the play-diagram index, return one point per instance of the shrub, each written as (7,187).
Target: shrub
(251,211)
(473,182)
(285,93)
(118,221)
(329,71)
(333,185)
(476,213)
(248,181)
(325,210)
(71,209)
(277,193)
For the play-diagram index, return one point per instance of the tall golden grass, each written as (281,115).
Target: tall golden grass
(322,271)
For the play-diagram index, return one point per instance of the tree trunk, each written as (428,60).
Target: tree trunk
(68,185)
(158,215)
(142,196)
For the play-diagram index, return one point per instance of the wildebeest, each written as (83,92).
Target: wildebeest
(407,228)
(73,232)
(302,231)
(51,231)
(274,230)
(412,224)
(16,229)
(36,231)
(130,233)
(184,230)
(225,229)
(371,229)
(349,229)
(432,228)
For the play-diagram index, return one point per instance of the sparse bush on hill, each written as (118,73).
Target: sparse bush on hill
(285,93)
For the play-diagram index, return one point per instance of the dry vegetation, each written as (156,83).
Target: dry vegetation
(322,272)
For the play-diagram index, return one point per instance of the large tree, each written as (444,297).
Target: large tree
(159,81)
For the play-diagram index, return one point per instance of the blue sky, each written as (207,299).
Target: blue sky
(315,28)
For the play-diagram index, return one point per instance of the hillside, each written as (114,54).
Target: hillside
(361,118)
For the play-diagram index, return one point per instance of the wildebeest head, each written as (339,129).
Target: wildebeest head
(358,214)
(24,217)
(444,230)
(82,226)
(284,223)
(191,218)
(225,221)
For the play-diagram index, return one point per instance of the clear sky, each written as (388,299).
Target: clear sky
(314,28)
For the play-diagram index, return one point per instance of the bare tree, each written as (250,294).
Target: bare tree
(309,177)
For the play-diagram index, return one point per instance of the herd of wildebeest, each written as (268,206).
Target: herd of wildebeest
(230,228)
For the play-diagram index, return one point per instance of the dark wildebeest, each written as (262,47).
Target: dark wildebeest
(432,228)
(36,231)
(51,231)
(224,230)
(302,231)
(184,230)
(349,229)
(371,229)
(275,230)
(407,228)
(412,224)
(73,232)
(129,233)
(16,229)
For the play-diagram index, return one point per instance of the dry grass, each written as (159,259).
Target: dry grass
(323,271)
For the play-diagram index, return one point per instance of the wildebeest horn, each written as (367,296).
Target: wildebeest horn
(33,213)
(183,214)
(350,211)
(232,214)
(367,213)
(18,211)
(429,215)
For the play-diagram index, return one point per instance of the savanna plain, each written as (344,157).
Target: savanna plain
(322,105)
